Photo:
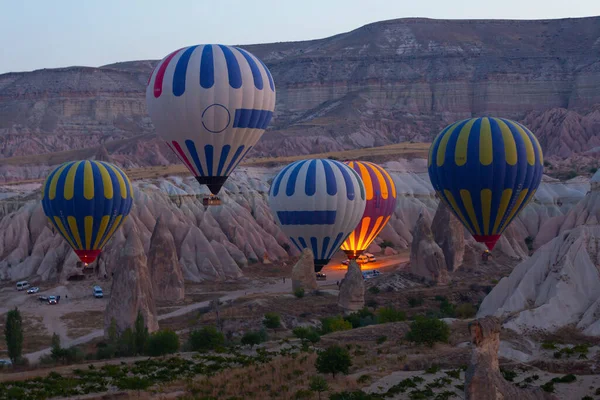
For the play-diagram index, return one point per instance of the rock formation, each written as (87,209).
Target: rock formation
(483,379)
(131,290)
(352,289)
(426,257)
(449,234)
(303,272)
(560,284)
(165,270)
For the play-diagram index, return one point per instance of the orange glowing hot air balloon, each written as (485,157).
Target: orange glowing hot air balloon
(381,203)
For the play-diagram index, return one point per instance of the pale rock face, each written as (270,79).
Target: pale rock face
(426,257)
(131,289)
(303,272)
(352,289)
(374,248)
(558,286)
(165,270)
(389,251)
(449,234)
(483,379)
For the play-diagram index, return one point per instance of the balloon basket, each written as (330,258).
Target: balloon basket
(211,201)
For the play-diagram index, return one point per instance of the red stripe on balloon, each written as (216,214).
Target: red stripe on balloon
(160,75)
(184,157)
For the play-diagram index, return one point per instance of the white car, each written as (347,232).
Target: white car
(34,289)
(371,257)
(362,259)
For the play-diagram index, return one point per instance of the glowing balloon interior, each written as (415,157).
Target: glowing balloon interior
(211,104)
(317,203)
(486,170)
(381,203)
(87,201)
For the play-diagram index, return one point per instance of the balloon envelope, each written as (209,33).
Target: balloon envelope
(381,203)
(486,170)
(87,201)
(317,203)
(211,104)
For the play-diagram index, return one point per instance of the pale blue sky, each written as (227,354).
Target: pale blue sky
(38,34)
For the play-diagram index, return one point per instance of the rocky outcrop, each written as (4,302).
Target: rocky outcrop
(449,234)
(165,270)
(426,257)
(483,380)
(131,290)
(303,272)
(352,289)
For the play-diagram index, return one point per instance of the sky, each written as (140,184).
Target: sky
(37,34)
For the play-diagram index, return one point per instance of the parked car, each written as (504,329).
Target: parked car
(362,259)
(32,290)
(321,276)
(5,363)
(22,285)
(370,274)
(98,292)
(53,299)
(371,257)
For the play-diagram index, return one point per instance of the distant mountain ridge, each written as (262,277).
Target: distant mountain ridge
(383,83)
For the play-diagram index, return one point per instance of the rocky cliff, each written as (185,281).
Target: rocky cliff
(386,82)
(218,243)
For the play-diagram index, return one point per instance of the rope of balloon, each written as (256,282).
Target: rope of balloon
(212,103)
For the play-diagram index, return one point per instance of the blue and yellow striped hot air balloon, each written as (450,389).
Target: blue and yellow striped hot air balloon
(486,170)
(87,201)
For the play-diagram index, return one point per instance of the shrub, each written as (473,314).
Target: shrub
(508,374)
(386,243)
(141,334)
(162,342)
(549,346)
(374,290)
(529,243)
(253,338)
(272,320)
(465,310)
(440,298)
(447,308)
(415,301)
(565,379)
(299,293)
(372,303)
(306,334)
(334,359)
(13,335)
(205,339)
(334,324)
(593,170)
(381,339)
(363,379)
(428,331)
(360,318)
(390,314)
(302,394)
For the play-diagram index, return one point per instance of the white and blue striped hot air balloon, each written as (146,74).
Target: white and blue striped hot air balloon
(211,104)
(317,203)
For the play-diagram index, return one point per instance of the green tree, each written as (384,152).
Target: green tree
(13,334)
(113,334)
(306,334)
(334,324)
(253,338)
(333,360)
(390,314)
(162,342)
(205,339)
(318,384)
(127,345)
(428,331)
(141,333)
(272,320)
(57,353)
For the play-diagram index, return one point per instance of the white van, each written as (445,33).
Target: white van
(22,285)
(98,292)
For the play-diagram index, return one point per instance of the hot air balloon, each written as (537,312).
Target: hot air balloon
(381,203)
(86,202)
(211,104)
(486,170)
(317,203)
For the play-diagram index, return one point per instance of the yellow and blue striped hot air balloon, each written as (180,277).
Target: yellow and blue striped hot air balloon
(381,203)
(486,170)
(87,201)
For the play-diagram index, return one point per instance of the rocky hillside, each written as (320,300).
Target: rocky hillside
(386,82)
(560,284)
(218,243)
